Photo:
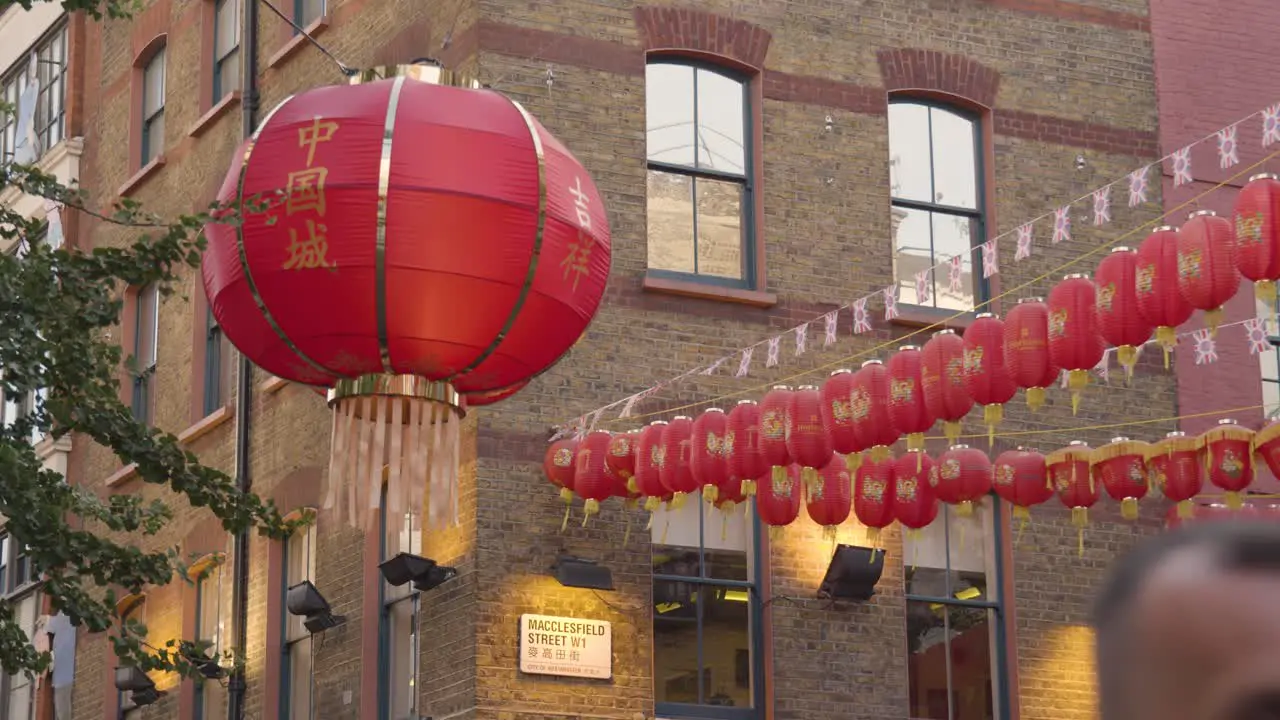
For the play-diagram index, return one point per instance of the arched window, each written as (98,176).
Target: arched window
(698,134)
(153,89)
(935,178)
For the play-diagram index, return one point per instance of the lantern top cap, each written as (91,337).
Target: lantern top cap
(1227,421)
(1077,443)
(782,387)
(961,446)
(1263,176)
(1121,249)
(841,371)
(979,316)
(1119,439)
(1025,448)
(807,387)
(719,410)
(908,347)
(1164,228)
(1175,434)
(946,331)
(1076,276)
(872,361)
(682,417)
(658,422)
(746,402)
(1031,300)
(1202,213)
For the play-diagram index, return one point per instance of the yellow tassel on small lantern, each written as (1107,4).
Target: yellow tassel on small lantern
(829,532)
(1265,291)
(1077,381)
(1035,398)
(915,441)
(992,415)
(951,429)
(748,488)
(1129,508)
(1167,337)
(710,494)
(779,475)
(1213,319)
(1080,519)
(852,462)
(965,509)
(880,453)
(873,539)
(1127,356)
(775,532)
(567,496)
(1232,500)
(632,486)
(809,476)
(589,508)
(1186,510)
(678,500)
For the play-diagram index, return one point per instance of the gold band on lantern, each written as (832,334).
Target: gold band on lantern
(425,71)
(380,254)
(402,386)
(244,258)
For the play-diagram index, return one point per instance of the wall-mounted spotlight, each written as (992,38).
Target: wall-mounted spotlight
(208,667)
(576,572)
(423,572)
(138,684)
(852,574)
(305,600)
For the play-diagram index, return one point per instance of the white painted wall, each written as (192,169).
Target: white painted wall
(20,29)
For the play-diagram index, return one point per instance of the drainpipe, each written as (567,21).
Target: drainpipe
(244,391)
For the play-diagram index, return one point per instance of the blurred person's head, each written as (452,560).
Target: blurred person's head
(1188,626)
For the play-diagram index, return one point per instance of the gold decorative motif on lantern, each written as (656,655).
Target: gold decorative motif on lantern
(715,444)
(1106,295)
(902,390)
(1231,463)
(1004,475)
(1062,479)
(621,448)
(955,370)
(774,425)
(658,456)
(973,359)
(726,444)
(906,489)
(1249,228)
(1189,264)
(840,411)
(563,458)
(873,490)
(933,476)
(781,484)
(950,469)
(1145,279)
(1058,322)
(859,404)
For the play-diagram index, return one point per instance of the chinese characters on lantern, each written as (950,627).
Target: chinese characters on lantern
(309,245)
(577,262)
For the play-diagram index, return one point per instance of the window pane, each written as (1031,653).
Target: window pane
(210,611)
(669,113)
(1270,397)
(675,540)
(953,235)
(1267,361)
(227,31)
(229,73)
(154,138)
(214,696)
(970,551)
(311,10)
(913,247)
(401,636)
(726,647)
(719,223)
(147,329)
(675,642)
(670,208)
(300,679)
(722,676)
(725,538)
(720,139)
(153,89)
(927,660)
(954,162)
(909,167)
(972,649)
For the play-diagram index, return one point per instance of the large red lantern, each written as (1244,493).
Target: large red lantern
(1160,302)
(808,444)
(986,374)
(711,452)
(593,479)
(942,380)
(961,477)
(675,466)
(1021,478)
(390,205)
(1070,472)
(907,408)
(869,405)
(1121,466)
(559,465)
(1119,321)
(778,500)
(873,495)
(1026,349)
(1257,231)
(746,461)
(837,418)
(1266,445)
(775,427)
(622,459)
(914,503)
(1174,466)
(1207,275)
(649,459)
(829,500)
(1228,458)
(1075,344)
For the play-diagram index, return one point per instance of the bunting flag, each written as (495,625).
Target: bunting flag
(955,275)
(1228,150)
(1102,205)
(628,406)
(890,294)
(832,320)
(771,356)
(861,320)
(1206,347)
(1138,186)
(802,338)
(1257,331)
(1061,224)
(713,367)
(1181,166)
(924,288)
(1271,125)
(1103,368)
(990,258)
(1023,250)
(745,364)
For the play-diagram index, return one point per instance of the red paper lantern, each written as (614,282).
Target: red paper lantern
(986,374)
(830,500)
(1121,466)
(1070,472)
(622,459)
(489,397)
(746,461)
(1026,349)
(775,428)
(592,477)
(352,275)
(961,477)
(730,495)
(837,417)
(649,459)
(1174,466)
(1257,231)
(1160,302)
(778,500)
(869,404)
(710,464)
(873,497)
(914,503)
(1228,451)
(559,465)
(1075,344)
(808,444)
(1266,445)
(907,408)
(676,466)
(1021,478)
(1119,321)
(1207,275)
(942,380)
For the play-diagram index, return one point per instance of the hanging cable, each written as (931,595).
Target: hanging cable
(346,70)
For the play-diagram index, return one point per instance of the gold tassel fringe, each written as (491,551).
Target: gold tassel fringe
(1077,380)
(589,508)
(1212,319)
(748,488)
(873,538)
(992,415)
(951,429)
(1233,500)
(915,441)
(1129,508)
(1035,398)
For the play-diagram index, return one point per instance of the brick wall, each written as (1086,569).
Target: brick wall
(1057,79)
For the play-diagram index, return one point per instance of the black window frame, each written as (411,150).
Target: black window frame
(300,13)
(305,534)
(215,389)
(43,126)
(220,92)
(18,580)
(978,215)
(143,397)
(747,180)
(161,55)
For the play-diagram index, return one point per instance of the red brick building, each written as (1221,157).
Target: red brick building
(829,150)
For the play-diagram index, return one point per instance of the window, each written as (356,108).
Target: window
(45,64)
(216,364)
(146,334)
(1269,365)
(699,181)
(398,625)
(226,48)
(955,628)
(210,696)
(935,181)
(306,12)
(296,670)
(16,579)
(129,709)
(706,613)
(153,108)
